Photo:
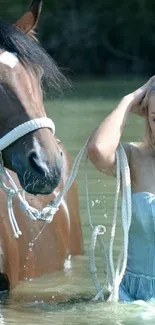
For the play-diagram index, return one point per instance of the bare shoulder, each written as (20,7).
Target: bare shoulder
(136,152)
(131,149)
(137,149)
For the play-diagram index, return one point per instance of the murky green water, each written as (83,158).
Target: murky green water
(76,117)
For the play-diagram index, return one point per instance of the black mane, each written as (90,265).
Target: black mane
(30,53)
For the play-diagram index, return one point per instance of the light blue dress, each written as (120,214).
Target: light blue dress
(139,279)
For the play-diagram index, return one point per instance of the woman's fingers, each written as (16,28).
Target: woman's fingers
(140,97)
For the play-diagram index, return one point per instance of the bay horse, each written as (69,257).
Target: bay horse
(37,162)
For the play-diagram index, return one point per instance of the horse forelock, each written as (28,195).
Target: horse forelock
(32,55)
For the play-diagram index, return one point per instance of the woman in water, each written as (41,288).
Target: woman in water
(139,279)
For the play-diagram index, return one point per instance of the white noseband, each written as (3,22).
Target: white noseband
(26,128)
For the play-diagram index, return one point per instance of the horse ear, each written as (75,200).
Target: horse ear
(29,21)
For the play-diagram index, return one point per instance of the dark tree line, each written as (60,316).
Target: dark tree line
(95,37)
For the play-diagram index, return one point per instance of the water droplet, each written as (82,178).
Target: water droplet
(92,203)
(31,244)
(68,264)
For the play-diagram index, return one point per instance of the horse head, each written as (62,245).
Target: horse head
(36,158)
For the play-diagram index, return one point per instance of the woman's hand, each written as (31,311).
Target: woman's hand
(136,99)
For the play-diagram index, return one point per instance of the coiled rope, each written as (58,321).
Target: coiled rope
(113,276)
(47,214)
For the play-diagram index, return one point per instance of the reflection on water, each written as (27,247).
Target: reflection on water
(65,297)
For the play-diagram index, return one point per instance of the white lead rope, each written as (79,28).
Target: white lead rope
(123,174)
(48,213)
(122,177)
(12,190)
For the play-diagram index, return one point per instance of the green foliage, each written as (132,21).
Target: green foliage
(110,37)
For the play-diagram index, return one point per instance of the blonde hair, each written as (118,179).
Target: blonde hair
(149,139)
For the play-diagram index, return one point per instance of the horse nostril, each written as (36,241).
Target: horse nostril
(61,153)
(36,163)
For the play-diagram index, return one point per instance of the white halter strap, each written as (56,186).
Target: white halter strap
(12,190)
(48,213)
(26,128)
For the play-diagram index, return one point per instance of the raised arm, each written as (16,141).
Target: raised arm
(105,140)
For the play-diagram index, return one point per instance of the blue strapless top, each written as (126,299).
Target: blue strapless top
(139,279)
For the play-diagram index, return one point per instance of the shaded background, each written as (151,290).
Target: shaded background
(112,37)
